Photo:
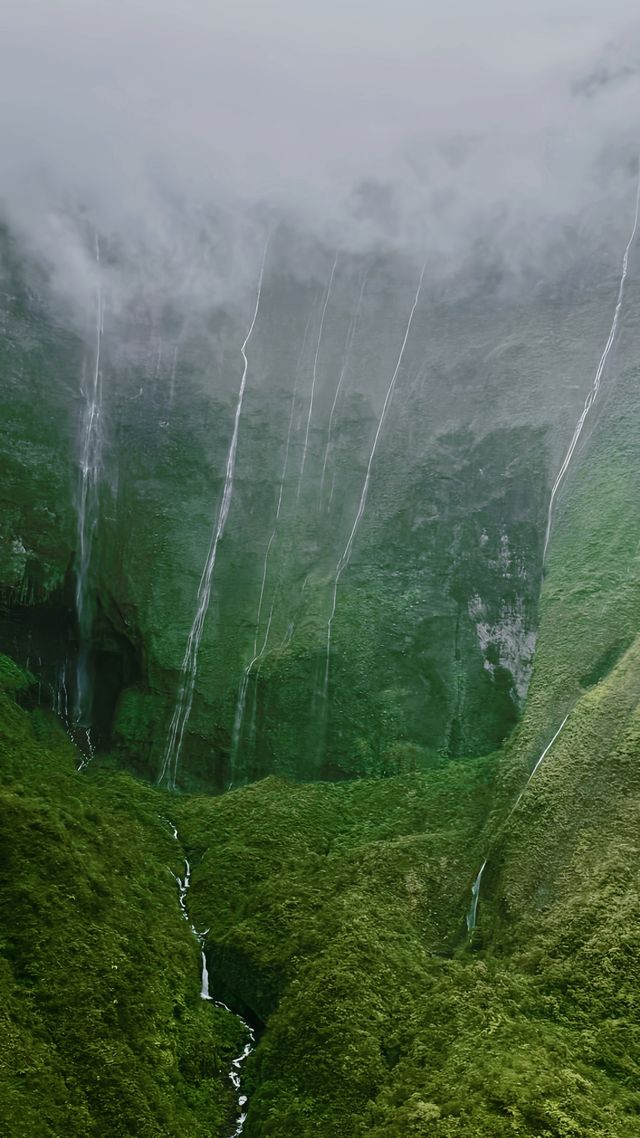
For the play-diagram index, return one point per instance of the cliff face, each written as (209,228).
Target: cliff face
(494,704)
(428,533)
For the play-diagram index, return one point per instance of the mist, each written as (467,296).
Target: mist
(182,133)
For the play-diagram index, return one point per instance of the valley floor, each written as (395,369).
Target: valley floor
(336,918)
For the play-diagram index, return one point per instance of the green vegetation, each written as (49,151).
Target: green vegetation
(335,910)
(103,1029)
(591,597)
(436,611)
(336,915)
(336,919)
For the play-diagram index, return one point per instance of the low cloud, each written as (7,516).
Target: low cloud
(181,132)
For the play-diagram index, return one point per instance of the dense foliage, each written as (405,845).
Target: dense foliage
(336,910)
(336,914)
(103,1029)
(336,920)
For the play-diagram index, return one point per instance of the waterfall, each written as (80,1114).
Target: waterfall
(172,377)
(346,555)
(475,888)
(241,702)
(472,911)
(257,655)
(189,668)
(60,696)
(351,331)
(595,387)
(314,373)
(90,465)
(183,884)
(546,751)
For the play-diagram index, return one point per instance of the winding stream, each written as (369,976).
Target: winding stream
(235,1074)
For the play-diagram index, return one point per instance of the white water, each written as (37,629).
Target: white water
(183,884)
(595,387)
(189,669)
(472,911)
(60,696)
(314,373)
(475,888)
(546,751)
(346,555)
(351,331)
(79,736)
(258,655)
(90,465)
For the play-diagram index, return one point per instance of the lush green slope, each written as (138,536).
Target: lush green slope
(336,911)
(103,1029)
(337,915)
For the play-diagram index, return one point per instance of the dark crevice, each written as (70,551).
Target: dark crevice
(44,639)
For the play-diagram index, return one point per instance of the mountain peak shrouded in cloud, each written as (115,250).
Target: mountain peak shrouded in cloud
(176,129)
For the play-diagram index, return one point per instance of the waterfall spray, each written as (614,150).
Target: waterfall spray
(346,555)
(90,465)
(315,373)
(595,387)
(189,668)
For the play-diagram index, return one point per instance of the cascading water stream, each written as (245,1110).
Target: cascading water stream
(595,387)
(346,555)
(472,911)
(189,669)
(541,759)
(351,331)
(314,374)
(183,884)
(258,655)
(90,466)
(60,696)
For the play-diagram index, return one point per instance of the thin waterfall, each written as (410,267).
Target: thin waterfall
(159,357)
(472,911)
(90,466)
(546,751)
(172,377)
(183,884)
(244,682)
(241,702)
(314,373)
(346,555)
(60,695)
(189,669)
(351,331)
(595,387)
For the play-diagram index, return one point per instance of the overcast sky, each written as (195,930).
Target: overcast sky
(146,111)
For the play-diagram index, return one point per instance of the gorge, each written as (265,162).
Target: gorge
(319,472)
